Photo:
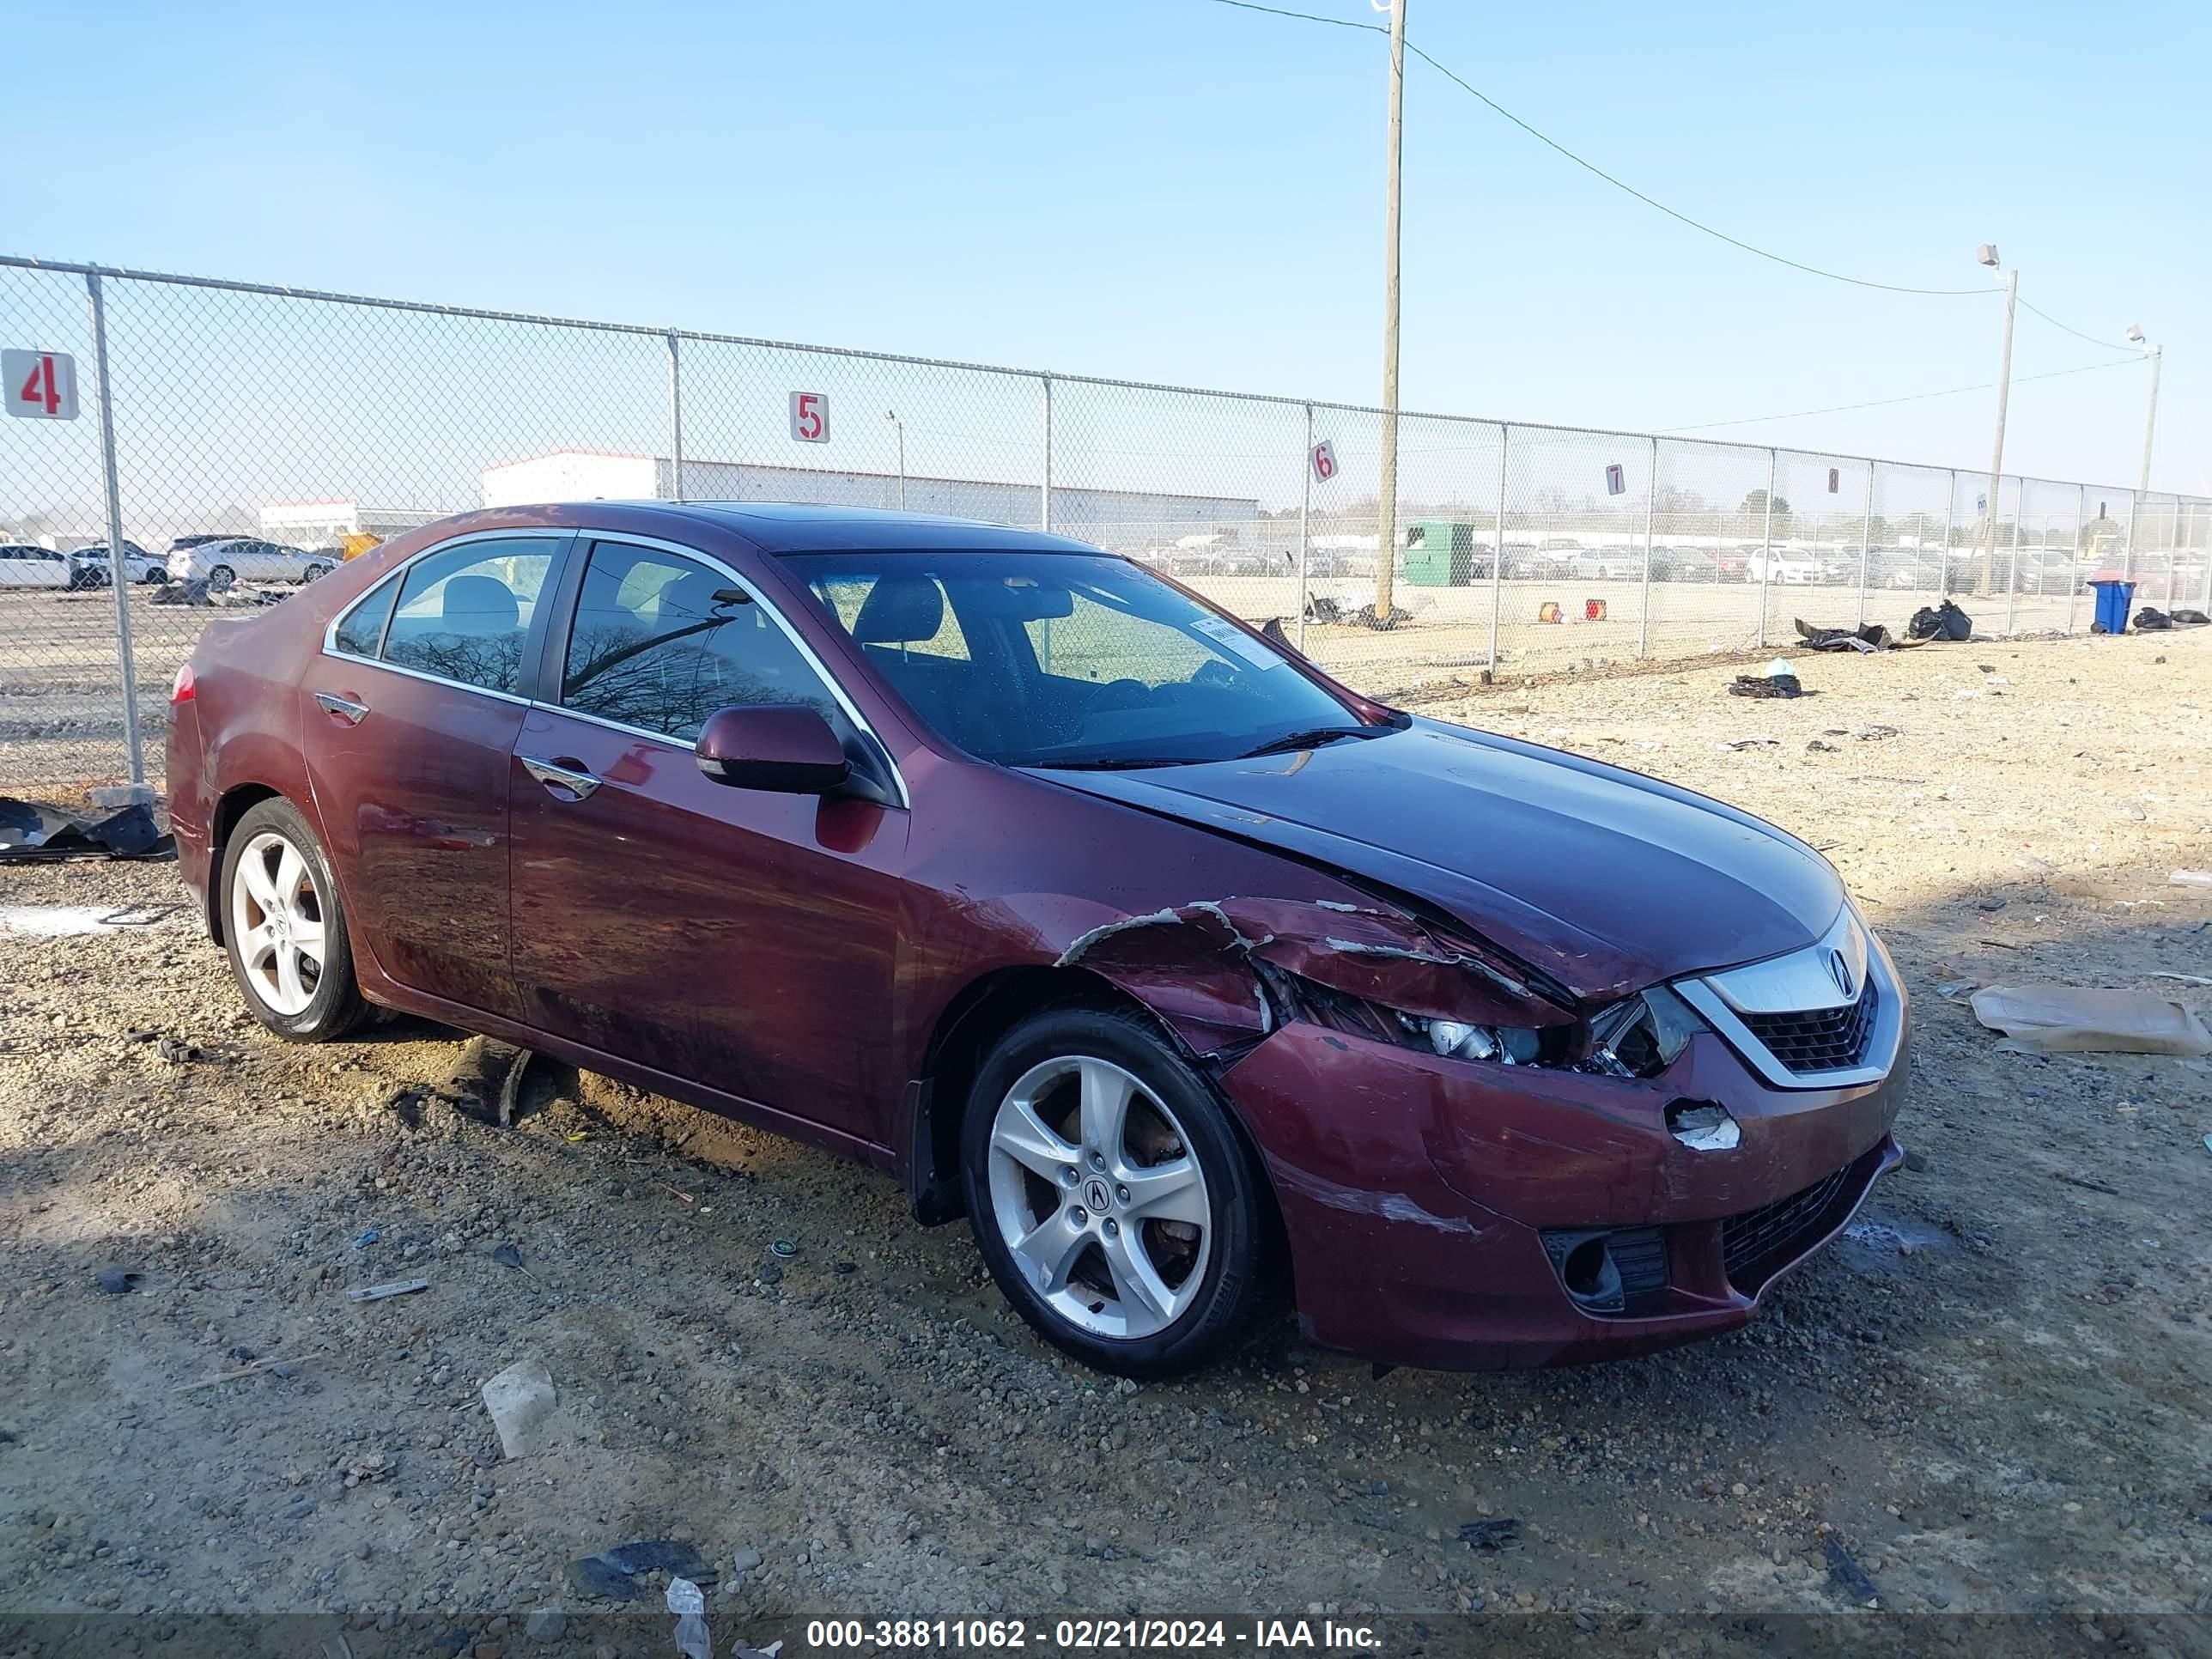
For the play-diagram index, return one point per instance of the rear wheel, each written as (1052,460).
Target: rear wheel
(284,928)
(1112,1198)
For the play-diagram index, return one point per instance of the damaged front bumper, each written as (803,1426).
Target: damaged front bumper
(1469,1217)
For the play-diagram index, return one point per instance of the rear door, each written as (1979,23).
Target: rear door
(738,940)
(408,723)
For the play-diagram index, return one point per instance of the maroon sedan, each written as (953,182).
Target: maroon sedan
(1191,978)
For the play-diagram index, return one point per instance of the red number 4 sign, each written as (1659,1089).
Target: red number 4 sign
(41,386)
(809,417)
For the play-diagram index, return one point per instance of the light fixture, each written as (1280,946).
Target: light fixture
(1988,255)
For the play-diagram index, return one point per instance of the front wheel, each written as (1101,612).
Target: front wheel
(284,928)
(221,577)
(1112,1197)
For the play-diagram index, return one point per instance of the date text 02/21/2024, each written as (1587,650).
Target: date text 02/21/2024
(1091,1635)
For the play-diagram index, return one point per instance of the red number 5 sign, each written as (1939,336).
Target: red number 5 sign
(809,417)
(1324,460)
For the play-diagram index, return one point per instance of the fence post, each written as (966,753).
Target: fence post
(2073,565)
(1950,520)
(1497,550)
(1866,541)
(2012,564)
(1045,494)
(675,421)
(1305,507)
(119,566)
(1767,547)
(1650,505)
(2204,602)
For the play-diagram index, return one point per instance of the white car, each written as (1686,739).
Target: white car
(139,565)
(22,565)
(248,559)
(1788,568)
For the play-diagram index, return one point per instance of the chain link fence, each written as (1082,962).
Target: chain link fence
(261,435)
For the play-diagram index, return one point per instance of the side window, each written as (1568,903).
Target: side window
(660,642)
(464,614)
(362,631)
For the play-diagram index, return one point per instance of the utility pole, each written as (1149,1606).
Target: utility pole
(1989,257)
(2150,421)
(1386,526)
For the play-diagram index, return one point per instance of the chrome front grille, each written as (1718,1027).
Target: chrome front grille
(1817,1039)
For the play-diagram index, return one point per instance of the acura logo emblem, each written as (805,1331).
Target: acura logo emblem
(1840,971)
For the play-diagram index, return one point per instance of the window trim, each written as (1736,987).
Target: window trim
(557,605)
(561,536)
(588,539)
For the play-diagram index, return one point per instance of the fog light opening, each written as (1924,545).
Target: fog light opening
(1585,1268)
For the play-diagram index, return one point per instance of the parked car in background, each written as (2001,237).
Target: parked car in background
(138,565)
(1683,564)
(1605,564)
(1795,569)
(247,558)
(1920,571)
(88,565)
(1197,981)
(1522,562)
(22,565)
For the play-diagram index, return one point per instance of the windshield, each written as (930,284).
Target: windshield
(1065,659)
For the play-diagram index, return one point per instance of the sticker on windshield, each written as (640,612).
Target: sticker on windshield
(1231,638)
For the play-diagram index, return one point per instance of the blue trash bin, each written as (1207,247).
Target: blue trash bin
(2113,599)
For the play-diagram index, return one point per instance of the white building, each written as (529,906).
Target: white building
(568,475)
(326,523)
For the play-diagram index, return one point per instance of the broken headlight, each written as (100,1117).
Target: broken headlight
(1640,1035)
(1510,1045)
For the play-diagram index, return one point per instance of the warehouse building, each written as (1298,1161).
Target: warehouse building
(586,474)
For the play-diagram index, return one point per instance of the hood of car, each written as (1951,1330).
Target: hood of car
(1605,880)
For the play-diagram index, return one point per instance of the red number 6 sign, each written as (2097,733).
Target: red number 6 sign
(809,417)
(1324,460)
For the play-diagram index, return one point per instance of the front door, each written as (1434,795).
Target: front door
(408,723)
(735,940)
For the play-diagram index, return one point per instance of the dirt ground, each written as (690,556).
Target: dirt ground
(1992,1394)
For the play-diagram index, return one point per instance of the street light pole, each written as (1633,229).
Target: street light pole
(1989,257)
(1386,538)
(899,426)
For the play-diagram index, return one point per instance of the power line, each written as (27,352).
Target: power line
(1591,167)
(2109,345)
(1910,398)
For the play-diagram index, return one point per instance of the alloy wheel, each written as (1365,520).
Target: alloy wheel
(1099,1198)
(277,917)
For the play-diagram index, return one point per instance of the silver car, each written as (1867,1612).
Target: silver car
(250,559)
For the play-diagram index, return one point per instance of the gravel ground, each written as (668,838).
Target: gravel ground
(1992,1394)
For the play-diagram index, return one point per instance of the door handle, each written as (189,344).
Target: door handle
(578,782)
(345,708)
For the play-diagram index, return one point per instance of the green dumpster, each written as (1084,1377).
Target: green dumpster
(1439,553)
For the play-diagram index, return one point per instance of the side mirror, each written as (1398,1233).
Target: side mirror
(786,748)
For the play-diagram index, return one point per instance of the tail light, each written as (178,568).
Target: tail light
(181,689)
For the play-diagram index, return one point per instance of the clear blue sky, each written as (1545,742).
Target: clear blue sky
(1175,191)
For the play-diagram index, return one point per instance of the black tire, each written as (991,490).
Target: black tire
(315,572)
(220,579)
(1239,1274)
(336,1008)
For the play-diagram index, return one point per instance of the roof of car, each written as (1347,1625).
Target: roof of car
(801,527)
